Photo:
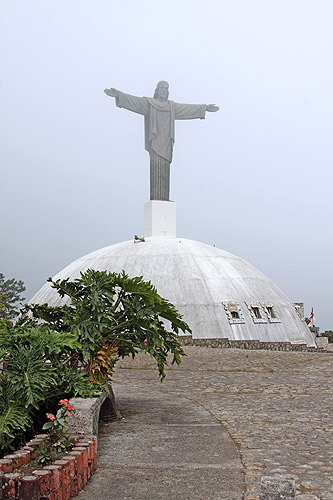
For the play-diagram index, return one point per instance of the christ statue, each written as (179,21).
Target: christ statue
(160,115)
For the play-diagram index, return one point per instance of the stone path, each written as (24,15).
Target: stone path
(163,448)
(217,423)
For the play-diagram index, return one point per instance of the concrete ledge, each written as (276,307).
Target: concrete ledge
(323,343)
(89,411)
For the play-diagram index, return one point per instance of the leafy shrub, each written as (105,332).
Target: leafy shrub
(14,416)
(71,350)
(33,373)
(113,316)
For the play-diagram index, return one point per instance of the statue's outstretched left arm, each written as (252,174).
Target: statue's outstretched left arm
(192,111)
(212,108)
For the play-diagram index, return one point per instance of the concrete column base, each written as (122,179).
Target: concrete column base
(160,218)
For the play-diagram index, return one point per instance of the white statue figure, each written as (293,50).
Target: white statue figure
(160,115)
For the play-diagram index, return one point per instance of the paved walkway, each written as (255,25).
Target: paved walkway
(217,423)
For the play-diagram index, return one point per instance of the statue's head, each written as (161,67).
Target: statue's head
(162,91)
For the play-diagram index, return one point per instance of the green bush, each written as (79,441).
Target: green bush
(14,416)
(70,350)
(110,312)
(33,373)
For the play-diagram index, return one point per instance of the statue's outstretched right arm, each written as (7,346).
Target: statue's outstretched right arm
(131,102)
(112,92)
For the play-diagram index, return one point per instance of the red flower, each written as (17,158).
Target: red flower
(63,402)
(70,407)
(50,416)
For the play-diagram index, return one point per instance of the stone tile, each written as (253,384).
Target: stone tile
(274,406)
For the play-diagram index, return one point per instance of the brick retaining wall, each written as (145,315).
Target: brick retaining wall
(60,481)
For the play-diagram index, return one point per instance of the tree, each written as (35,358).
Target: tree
(114,316)
(329,334)
(10,291)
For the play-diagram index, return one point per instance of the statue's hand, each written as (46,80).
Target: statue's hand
(112,92)
(212,108)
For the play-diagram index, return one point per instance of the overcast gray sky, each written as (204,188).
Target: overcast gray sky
(254,179)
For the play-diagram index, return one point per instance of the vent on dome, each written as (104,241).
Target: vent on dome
(233,312)
(271,313)
(256,311)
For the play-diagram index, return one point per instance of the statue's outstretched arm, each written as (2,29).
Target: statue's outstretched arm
(112,92)
(212,108)
(127,101)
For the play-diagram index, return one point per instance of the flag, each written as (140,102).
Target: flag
(311,319)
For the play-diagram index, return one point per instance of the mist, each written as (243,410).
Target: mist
(254,179)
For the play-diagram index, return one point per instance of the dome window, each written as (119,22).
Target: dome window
(233,312)
(257,312)
(271,313)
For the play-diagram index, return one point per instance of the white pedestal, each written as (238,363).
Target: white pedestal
(160,218)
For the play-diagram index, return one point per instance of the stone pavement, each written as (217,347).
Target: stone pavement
(217,423)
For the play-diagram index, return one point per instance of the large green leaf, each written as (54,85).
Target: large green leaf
(31,376)
(13,414)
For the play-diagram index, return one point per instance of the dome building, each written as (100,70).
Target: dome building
(219,294)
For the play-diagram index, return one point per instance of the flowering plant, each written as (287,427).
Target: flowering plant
(58,440)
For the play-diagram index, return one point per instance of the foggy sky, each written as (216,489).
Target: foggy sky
(254,179)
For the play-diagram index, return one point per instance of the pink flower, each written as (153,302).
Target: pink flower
(145,342)
(50,416)
(58,443)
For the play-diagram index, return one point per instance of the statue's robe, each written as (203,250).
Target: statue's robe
(160,119)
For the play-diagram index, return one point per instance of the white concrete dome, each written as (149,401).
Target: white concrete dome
(219,294)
